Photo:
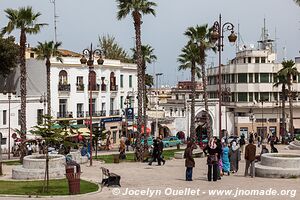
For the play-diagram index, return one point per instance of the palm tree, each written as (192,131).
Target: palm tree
(200,35)
(188,61)
(289,70)
(281,80)
(45,51)
(297,2)
(25,20)
(147,58)
(137,8)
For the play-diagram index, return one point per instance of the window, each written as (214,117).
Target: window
(80,110)
(182,112)
(256,78)
(256,59)
(121,102)
(171,112)
(113,86)
(31,55)
(40,116)
(242,96)
(249,59)
(103,106)
(232,78)
(275,97)
(242,78)
(93,106)
(264,78)
(121,80)
(264,96)
(244,131)
(112,103)
(233,97)
(4,117)
(79,83)
(177,97)
(250,97)
(62,107)
(263,59)
(19,117)
(256,96)
(275,79)
(130,81)
(244,60)
(250,78)
(63,77)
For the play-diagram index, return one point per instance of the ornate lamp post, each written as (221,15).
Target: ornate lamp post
(9,99)
(88,58)
(217,35)
(157,103)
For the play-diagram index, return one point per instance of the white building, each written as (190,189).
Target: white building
(111,83)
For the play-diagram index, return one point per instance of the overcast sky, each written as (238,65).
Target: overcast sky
(81,22)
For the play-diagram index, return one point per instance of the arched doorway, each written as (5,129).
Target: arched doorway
(180,135)
(201,126)
(63,77)
(164,131)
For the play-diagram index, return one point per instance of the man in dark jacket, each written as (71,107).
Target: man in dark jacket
(189,161)
(160,150)
(250,153)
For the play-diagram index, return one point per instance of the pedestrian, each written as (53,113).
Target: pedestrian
(225,159)
(161,150)
(212,159)
(250,153)
(234,156)
(273,148)
(264,149)
(29,149)
(242,142)
(220,163)
(122,154)
(155,153)
(189,161)
(259,140)
(84,151)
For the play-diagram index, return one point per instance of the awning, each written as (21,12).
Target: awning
(296,123)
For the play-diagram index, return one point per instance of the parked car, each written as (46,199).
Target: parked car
(149,141)
(171,141)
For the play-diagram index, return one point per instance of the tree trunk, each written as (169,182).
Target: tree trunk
(208,125)
(283,112)
(291,125)
(46,178)
(48,64)
(137,27)
(192,128)
(145,107)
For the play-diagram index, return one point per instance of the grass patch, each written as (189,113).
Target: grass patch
(168,154)
(12,162)
(35,188)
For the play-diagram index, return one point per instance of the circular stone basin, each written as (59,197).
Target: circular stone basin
(34,167)
(278,165)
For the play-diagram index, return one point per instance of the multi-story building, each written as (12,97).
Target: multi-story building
(110,83)
(252,102)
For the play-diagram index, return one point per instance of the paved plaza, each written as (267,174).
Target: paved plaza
(161,181)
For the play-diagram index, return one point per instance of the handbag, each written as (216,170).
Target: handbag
(212,159)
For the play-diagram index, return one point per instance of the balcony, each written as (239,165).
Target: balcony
(113,88)
(64,87)
(94,87)
(96,113)
(80,114)
(80,87)
(65,114)
(114,112)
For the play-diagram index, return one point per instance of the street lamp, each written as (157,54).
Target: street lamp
(88,58)
(9,99)
(157,103)
(126,103)
(217,35)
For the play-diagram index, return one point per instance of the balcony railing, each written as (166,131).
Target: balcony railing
(64,87)
(96,113)
(80,114)
(94,87)
(103,87)
(114,112)
(80,87)
(65,114)
(113,88)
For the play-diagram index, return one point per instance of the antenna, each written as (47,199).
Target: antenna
(55,17)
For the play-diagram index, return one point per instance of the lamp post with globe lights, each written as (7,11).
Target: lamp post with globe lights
(88,58)
(217,35)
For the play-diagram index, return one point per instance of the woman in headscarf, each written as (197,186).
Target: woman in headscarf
(189,161)
(212,159)
(235,157)
(225,159)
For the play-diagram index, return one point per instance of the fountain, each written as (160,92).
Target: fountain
(34,167)
(278,165)
(294,145)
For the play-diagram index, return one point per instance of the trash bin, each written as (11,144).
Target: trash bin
(116,158)
(73,178)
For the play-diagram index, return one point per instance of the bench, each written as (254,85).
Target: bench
(110,179)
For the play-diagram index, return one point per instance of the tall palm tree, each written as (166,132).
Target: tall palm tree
(188,61)
(25,20)
(147,58)
(200,35)
(137,8)
(45,51)
(281,80)
(297,2)
(289,70)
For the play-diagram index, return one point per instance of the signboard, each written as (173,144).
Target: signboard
(111,119)
(129,113)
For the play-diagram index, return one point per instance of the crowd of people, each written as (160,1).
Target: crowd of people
(223,158)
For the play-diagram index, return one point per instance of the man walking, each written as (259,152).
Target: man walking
(250,153)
